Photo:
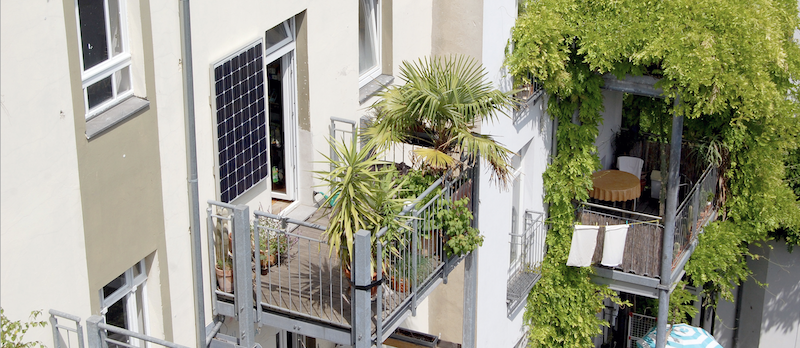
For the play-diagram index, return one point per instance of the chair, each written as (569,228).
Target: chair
(631,165)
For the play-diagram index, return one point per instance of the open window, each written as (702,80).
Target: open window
(369,40)
(123,304)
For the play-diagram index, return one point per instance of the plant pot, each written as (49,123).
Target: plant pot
(267,260)
(348,275)
(225,279)
(400,284)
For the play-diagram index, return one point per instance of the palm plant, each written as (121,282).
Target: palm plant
(438,106)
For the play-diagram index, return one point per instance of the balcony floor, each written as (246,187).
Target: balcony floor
(309,283)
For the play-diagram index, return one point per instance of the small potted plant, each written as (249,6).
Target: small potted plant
(224,271)
(280,245)
(222,255)
(402,272)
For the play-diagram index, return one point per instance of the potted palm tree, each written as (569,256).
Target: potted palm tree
(438,107)
(363,195)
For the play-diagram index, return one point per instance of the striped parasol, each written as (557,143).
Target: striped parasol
(681,336)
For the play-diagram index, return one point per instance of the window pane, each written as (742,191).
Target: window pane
(93,32)
(114,285)
(276,35)
(367,24)
(116,27)
(99,92)
(117,315)
(123,80)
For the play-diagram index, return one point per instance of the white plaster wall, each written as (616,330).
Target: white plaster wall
(612,120)
(42,250)
(530,132)
(172,149)
(780,321)
(724,322)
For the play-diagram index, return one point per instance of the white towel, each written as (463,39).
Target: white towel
(584,240)
(614,245)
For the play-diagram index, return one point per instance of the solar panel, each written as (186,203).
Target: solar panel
(241,121)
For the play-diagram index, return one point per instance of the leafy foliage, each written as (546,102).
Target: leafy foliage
(13,332)
(442,100)
(456,221)
(732,64)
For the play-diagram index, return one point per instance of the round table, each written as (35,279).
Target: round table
(615,186)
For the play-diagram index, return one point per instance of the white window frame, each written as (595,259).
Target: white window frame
(288,26)
(110,66)
(517,222)
(374,7)
(127,293)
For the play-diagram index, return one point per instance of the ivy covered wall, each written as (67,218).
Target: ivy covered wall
(733,64)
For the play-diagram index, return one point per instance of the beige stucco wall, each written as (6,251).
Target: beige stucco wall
(458,27)
(42,252)
(120,174)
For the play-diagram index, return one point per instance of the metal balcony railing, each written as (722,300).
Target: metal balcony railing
(66,336)
(524,269)
(694,211)
(642,253)
(294,274)
(99,334)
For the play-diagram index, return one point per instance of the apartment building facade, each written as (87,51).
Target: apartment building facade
(95,199)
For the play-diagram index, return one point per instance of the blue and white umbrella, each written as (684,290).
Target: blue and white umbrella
(681,336)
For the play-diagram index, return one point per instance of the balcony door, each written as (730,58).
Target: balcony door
(280,89)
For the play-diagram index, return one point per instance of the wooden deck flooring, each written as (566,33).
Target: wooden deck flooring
(308,282)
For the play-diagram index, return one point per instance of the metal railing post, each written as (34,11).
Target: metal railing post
(669,228)
(243,275)
(94,335)
(78,330)
(362,323)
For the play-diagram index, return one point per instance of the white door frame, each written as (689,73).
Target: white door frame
(286,55)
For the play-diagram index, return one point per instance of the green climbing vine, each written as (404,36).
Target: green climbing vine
(731,63)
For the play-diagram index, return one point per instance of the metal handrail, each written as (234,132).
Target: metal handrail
(54,323)
(134,334)
(600,206)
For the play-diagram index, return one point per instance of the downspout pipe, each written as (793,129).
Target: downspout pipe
(191,168)
(668,238)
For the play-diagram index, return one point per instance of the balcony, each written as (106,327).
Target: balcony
(642,254)
(527,253)
(304,288)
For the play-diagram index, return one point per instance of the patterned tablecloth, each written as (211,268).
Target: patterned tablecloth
(615,186)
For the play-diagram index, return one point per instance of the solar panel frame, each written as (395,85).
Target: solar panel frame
(241,120)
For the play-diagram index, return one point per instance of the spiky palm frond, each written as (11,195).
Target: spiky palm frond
(352,192)
(498,156)
(443,97)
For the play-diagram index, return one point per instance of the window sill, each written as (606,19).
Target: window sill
(371,88)
(115,115)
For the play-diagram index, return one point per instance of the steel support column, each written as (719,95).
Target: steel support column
(673,182)
(362,322)
(243,276)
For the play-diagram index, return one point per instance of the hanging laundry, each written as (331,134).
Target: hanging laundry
(584,240)
(614,245)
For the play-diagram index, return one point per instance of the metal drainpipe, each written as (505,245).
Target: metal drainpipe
(191,167)
(669,227)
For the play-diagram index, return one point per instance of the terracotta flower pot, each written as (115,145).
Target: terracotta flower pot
(348,275)
(224,279)
(267,260)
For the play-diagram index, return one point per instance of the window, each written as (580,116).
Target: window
(369,36)
(123,305)
(105,56)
